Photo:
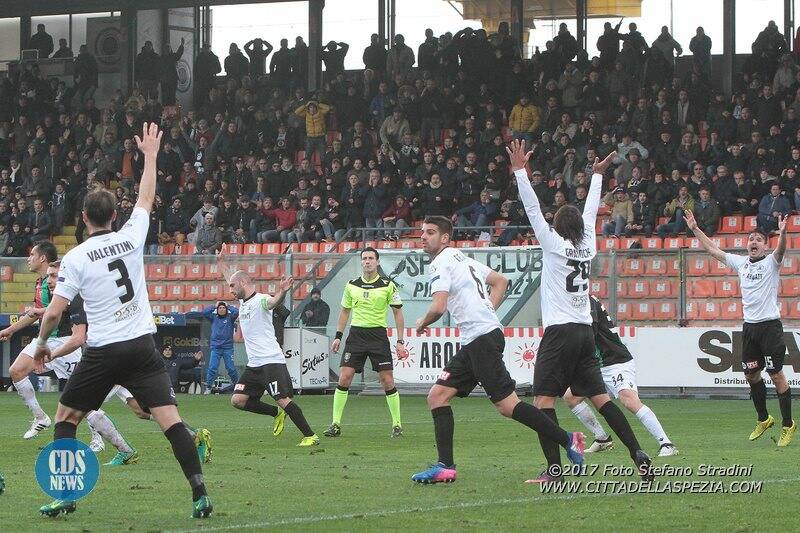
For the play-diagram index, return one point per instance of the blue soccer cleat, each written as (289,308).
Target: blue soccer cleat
(576,448)
(438,473)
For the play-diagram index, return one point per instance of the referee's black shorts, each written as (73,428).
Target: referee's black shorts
(763,347)
(135,364)
(566,360)
(363,343)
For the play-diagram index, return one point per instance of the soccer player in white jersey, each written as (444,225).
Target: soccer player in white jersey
(763,347)
(472,292)
(266,365)
(566,354)
(107,271)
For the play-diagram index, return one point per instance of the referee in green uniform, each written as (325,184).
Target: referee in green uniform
(368,298)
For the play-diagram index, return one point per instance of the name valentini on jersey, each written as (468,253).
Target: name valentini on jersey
(109,251)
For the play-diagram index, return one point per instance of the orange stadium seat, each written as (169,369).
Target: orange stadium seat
(750,223)
(385,245)
(272,248)
(175,291)
(303,269)
(624,311)
(652,243)
(599,288)
(252,269)
(327,247)
(692,310)
(174,308)
(270,287)
(782,306)
(193,307)
(665,311)
(165,249)
(347,246)
(211,271)
(727,288)
(794,224)
(185,249)
(632,267)
(598,226)
(642,311)
(234,249)
(252,249)
(213,292)
(176,271)
(626,242)
(607,243)
(604,263)
(697,265)
(302,290)
(794,242)
(621,288)
(464,244)
(369,244)
(155,271)
(6,273)
(156,291)
(718,268)
(309,248)
(794,308)
(790,287)
(701,288)
(156,309)
(194,271)
(693,243)
(194,292)
(638,289)
(478,244)
(326,267)
(773,242)
(673,266)
(709,310)
(663,288)
(272,269)
(789,264)
(408,244)
(731,309)
(656,266)
(737,242)
(673,243)
(719,241)
(731,224)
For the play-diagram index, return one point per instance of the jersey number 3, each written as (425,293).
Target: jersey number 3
(579,268)
(124,280)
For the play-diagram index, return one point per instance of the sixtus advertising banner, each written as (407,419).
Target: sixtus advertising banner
(665,357)
(306,354)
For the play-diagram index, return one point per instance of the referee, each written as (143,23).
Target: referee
(368,297)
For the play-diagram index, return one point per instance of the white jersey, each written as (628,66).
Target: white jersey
(107,270)
(759,281)
(255,319)
(565,268)
(468,301)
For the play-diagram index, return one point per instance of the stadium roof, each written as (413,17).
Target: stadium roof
(18,8)
(490,12)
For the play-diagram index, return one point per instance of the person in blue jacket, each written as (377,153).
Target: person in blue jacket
(222,320)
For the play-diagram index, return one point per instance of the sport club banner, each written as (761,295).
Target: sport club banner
(306,354)
(665,357)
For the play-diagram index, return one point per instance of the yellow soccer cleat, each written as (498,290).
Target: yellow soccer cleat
(313,440)
(787,434)
(761,427)
(277,426)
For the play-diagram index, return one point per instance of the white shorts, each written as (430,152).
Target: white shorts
(620,376)
(120,392)
(62,366)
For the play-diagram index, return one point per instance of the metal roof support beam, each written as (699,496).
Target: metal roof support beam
(315,44)
(517,11)
(24,33)
(382,20)
(788,21)
(728,44)
(128,52)
(581,16)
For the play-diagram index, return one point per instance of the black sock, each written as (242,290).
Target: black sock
(621,427)
(785,401)
(758,392)
(64,430)
(255,405)
(391,391)
(296,414)
(186,454)
(443,427)
(343,389)
(541,421)
(549,447)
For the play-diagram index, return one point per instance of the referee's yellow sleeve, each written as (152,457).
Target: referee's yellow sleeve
(347,299)
(394,296)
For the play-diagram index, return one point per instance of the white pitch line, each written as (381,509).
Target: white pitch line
(391,512)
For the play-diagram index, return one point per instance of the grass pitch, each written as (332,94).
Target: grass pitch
(361,481)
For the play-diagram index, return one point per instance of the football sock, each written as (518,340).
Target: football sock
(549,447)
(192,431)
(106,427)
(339,399)
(443,427)
(255,405)
(619,424)
(26,391)
(296,414)
(541,422)
(758,392)
(393,399)
(648,418)
(186,454)
(785,401)
(64,430)
(95,433)
(587,418)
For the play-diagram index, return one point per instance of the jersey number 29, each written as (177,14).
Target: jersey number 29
(579,268)
(124,280)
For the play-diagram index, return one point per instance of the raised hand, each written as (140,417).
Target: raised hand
(286,283)
(517,154)
(691,223)
(782,222)
(599,167)
(150,141)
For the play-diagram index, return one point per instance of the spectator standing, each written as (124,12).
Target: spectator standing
(64,51)
(169,73)
(524,120)
(375,54)
(85,75)
(700,46)
(41,41)
(400,59)
(300,63)
(316,130)
(258,50)
(280,66)
(236,64)
(333,57)
(148,71)
(206,68)
(222,320)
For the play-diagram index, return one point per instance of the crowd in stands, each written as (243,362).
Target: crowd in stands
(257,158)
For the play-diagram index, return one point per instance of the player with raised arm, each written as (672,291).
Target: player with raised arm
(266,365)
(107,271)
(566,354)
(472,292)
(368,298)
(619,375)
(763,347)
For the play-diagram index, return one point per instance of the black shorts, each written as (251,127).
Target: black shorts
(363,343)
(272,377)
(480,361)
(763,347)
(566,359)
(135,364)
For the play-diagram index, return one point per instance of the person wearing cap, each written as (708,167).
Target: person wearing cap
(624,172)
(316,312)
(222,320)
(621,212)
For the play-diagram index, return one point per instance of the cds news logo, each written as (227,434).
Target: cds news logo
(67,469)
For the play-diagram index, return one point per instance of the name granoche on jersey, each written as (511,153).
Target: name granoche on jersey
(580,253)
(108,251)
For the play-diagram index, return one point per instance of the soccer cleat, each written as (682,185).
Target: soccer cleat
(58,507)
(397,431)
(37,426)
(761,427)
(601,445)
(277,425)
(667,450)
(201,508)
(202,440)
(333,431)
(96,444)
(545,477)
(643,464)
(438,473)
(2,484)
(576,448)
(313,440)
(787,434)
(124,458)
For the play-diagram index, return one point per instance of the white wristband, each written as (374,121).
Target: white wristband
(41,342)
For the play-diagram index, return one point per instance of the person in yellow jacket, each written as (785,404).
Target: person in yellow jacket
(314,114)
(524,120)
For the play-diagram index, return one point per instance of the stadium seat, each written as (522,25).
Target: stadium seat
(794,242)
(782,306)
(665,311)
(500,224)
(302,269)
(272,269)
(165,249)
(598,226)
(652,243)
(369,244)
(692,310)
(234,249)
(270,287)
(600,266)
(302,290)
(326,267)
(252,249)
(672,243)
(632,267)
(211,271)
(731,224)
(793,225)
(175,291)
(642,311)
(193,307)
(347,246)
(607,243)
(599,288)
(464,244)
(789,264)
(773,242)
(385,245)
(156,291)
(663,289)
(214,292)
(718,268)
(790,287)
(697,265)
(718,241)
(750,223)
(731,309)
(154,271)
(692,243)
(621,288)
(638,289)
(252,269)
(708,310)
(156,309)
(6,273)
(701,288)
(173,307)
(624,311)
(194,292)
(727,288)
(673,266)
(176,271)
(626,242)
(407,244)
(194,271)
(271,248)
(656,266)
(476,244)
(794,308)
(327,247)
(309,248)
(736,242)
(185,249)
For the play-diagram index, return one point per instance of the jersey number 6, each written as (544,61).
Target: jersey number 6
(124,280)
(578,268)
